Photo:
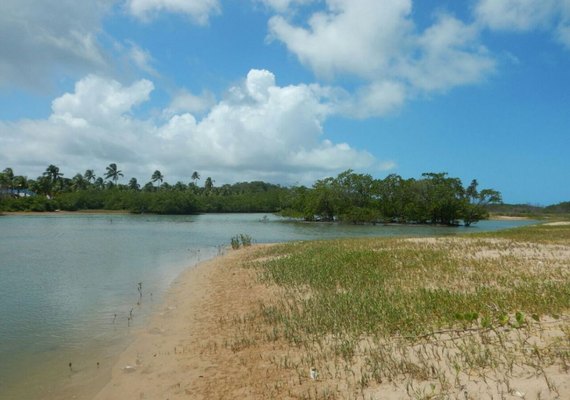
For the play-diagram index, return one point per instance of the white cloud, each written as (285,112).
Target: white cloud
(141,58)
(517,15)
(526,16)
(40,39)
(100,101)
(450,56)
(187,102)
(199,10)
(357,37)
(260,131)
(377,42)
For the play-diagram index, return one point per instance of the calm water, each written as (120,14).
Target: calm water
(68,283)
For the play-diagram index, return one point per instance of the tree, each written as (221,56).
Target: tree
(195,176)
(208,184)
(7,178)
(78,182)
(180,186)
(99,183)
(443,197)
(89,175)
(157,176)
(133,184)
(113,173)
(475,202)
(54,176)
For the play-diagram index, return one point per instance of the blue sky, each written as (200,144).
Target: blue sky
(289,91)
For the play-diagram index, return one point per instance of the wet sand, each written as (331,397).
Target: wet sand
(176,355)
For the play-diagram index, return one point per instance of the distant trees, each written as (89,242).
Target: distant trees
(208,184)
(113,173)
(157,176)
(89,175)
(434,198)
(475,202)
(133,184)
(195,177)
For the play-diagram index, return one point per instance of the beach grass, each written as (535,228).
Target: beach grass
(430,316)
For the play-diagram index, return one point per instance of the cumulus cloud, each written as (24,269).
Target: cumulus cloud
(377,41)
(526,15)
(517,15)
(259,131)
(100,101)
(199,10)
(186,102)
(40,39)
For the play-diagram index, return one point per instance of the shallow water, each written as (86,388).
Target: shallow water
(68,283)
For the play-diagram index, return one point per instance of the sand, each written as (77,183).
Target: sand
(204,344)
(178,355)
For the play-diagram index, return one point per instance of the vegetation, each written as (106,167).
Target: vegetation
(241,240)
(435,198)
(52,191)
(436,318)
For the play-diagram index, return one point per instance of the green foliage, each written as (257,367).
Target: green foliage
(358,198)
(241,240)
(394,286)
(545,233)
(350,197)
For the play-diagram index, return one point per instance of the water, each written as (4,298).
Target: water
(68,283)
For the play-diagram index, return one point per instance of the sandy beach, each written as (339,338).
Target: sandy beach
(204,344)
(180,354)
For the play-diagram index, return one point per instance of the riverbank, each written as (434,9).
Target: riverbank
(227,330)
(59,212)
(182,354)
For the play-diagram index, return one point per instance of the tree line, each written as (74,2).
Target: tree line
(435,198)
(53,191)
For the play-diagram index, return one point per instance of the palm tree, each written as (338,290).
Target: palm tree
(209,184)
(20,182)
(7,178)
(195,176)
(53,175)
(78,182)
(89,175)
(157,176)
(133,184)
(99,183)
(113,173)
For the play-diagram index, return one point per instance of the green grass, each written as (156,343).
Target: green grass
(386,287)
(430,316)
(541,233)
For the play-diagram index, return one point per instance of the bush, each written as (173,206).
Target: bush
(240,240)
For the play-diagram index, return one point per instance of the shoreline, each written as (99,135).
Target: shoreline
(168,356)
(207,340)
(51,213)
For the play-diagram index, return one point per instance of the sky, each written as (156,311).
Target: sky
(290,91)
